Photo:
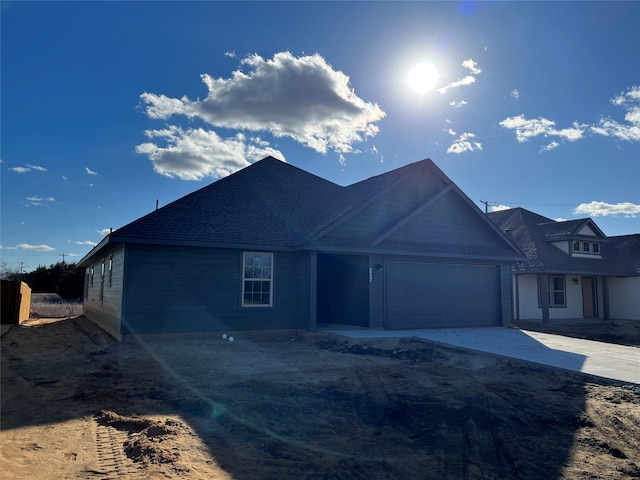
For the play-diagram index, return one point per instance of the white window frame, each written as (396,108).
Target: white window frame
(256,275)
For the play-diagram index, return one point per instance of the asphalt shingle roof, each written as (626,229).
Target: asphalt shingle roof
(534,233)
(274,204)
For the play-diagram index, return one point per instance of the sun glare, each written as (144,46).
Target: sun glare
(422,77)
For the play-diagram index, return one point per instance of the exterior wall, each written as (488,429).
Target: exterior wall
(180,289)
(564,246)
(528,299)
(624,298)
(103,297)
(376,291)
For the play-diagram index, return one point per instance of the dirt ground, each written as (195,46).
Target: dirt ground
(298,405)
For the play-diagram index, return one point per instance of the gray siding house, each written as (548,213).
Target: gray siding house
(275,247)
(573,270)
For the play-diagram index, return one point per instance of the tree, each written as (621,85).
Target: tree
(65,279)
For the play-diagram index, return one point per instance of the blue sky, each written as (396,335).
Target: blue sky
(108,107)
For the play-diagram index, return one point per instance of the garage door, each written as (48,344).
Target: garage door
(437,295)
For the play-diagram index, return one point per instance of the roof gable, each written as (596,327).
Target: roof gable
(417,209)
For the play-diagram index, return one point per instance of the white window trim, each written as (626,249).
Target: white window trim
(581,252)
(245,279)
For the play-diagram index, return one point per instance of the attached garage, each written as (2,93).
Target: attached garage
(441,295)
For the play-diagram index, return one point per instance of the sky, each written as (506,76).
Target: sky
(110,107)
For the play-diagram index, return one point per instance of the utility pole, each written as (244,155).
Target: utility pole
(486,205)
(62,255)
(21,267)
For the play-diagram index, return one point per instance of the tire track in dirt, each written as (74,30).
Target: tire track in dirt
(112,461)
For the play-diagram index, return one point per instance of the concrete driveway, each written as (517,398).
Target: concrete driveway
(606,360)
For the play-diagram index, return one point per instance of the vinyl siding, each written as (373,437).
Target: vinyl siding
(178,289)
(107,311)
(448,221)
(368,223)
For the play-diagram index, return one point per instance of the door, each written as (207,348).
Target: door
(589,298)
(441,295)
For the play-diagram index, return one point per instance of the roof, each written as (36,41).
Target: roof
(270,204)
(535,234)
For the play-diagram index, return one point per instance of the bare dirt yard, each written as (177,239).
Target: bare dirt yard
(297,405)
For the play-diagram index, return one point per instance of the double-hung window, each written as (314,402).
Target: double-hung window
(556,290)
(257,279)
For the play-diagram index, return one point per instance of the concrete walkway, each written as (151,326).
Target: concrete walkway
(606,360)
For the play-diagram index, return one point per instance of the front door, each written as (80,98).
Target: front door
(589,305)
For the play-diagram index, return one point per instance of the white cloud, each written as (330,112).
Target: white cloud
(459,104)
(451,131)
(464,143)
(376,152)
(230,54)
(86,242)
(196,153)
(608,127)
(89,171)
(595,209)
(515,93)
(468,80)
(28,168)
(40,201)
(37,248)
(104,231)
(529,128)
(302,98)
(498,208)
(550,146)
(559,219)
(472,65)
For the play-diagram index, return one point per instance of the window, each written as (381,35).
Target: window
(585,248)
(557,291)
(110,270)
(91,279)
(257,279)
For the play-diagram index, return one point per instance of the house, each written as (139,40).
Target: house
(275,247)
(573,270)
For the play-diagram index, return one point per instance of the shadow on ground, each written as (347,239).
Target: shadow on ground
(312,406)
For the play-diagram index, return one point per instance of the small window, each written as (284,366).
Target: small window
(595,248)
(110,270)
(257,279)
(586,247)
(91,279)
(576,247)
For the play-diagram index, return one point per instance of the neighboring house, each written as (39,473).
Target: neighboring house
(275,247)
(573,270)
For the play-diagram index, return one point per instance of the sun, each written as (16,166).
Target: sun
(422,77)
